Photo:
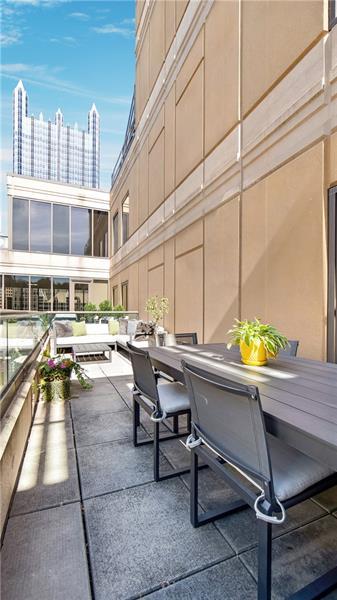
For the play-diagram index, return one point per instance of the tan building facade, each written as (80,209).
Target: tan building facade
(227,178)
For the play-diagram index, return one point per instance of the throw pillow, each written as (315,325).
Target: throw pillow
(132,326)
(113,327)
(79,328)
(63,328)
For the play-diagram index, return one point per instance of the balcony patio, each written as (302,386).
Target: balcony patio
(88,522)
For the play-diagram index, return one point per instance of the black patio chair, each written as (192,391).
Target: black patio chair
(290,350)
(160,401)
(177,339)
(229,434)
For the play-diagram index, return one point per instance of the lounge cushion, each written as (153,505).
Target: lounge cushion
(63,328)
(79,328)
(113,327)
(132,326)
(293,471)
(123,326)
(173,397)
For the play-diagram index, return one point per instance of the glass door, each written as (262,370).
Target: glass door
(81,294)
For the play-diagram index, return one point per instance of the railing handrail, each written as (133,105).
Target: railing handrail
(128,139)
(29,313)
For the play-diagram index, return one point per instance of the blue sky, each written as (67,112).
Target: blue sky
(68,55)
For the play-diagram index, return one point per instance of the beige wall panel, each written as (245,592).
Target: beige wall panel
(98,293)
(156,281)
(189,293)
(170,24)
(157,41)
(193,59)
(189,127)
(181,6)
(143,198)
(157,128)
(221,270)
(156,174)
(156,257)
(142,287)
(169,258)
(139,9)
(133,195)
(332,160)
(170,142)
(189,238)
(142,77)
(283,254)
(275,34)
(221,71)
(133,290)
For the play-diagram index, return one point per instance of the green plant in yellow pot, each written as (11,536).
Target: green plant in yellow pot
(257,341)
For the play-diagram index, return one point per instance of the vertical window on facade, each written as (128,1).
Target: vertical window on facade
(40,226)
(125,219)
(125,300)
(81,231)
(115,232)
(100,233)
(61,229)
(61,294)
(115,295)
(1,291)
(16,292)
(40,293)
(332,13)
(81,295)
(20,224)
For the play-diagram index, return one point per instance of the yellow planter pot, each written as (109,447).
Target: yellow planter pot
(254,354)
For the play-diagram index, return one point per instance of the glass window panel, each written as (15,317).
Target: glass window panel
(61,293)
(60,229)
(115,295)
(20,224)
(81,231)
(125,294)
(125,219)
(115,232)
(40,226)
(40,293)
(16,292)
(100,233)
(81,294)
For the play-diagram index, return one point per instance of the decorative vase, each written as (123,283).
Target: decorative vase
(57,390)
(254,355)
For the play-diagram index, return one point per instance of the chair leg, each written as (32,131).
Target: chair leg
(194,489)
(264,560)
(156,452)
(176,424)
(136,420)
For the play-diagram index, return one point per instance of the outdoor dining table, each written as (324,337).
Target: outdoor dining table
(299,401)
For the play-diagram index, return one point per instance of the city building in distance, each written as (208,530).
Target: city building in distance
(54,151)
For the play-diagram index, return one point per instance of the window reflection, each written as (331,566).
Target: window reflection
(16,292)
(125,300)
(40,226)
(100,233)
(40,293)
(125,219)
(61,294)
(115,232)
(81,293)
(81,231)
(60,229)
(20,224)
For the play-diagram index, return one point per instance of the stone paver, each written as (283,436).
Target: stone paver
(43,557)
(328,499)
(84,406)
(141,537)
(103,427)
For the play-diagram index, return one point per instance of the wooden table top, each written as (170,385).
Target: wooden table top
(299,396)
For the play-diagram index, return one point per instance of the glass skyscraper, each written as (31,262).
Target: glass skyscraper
(54,151)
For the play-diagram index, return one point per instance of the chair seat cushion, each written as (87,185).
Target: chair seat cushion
(293,471)
(173,397)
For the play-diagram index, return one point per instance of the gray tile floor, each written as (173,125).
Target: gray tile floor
(88,522)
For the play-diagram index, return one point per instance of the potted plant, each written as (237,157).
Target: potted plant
(157,308)
(257,341)
(54,377)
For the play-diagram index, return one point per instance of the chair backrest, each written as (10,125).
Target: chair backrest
(290,350)
(229,418)
(143,374)
(177,339)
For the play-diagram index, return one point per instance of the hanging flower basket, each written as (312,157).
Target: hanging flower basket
(56,391)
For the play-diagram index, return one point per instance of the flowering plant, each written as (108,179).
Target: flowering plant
(59,368)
